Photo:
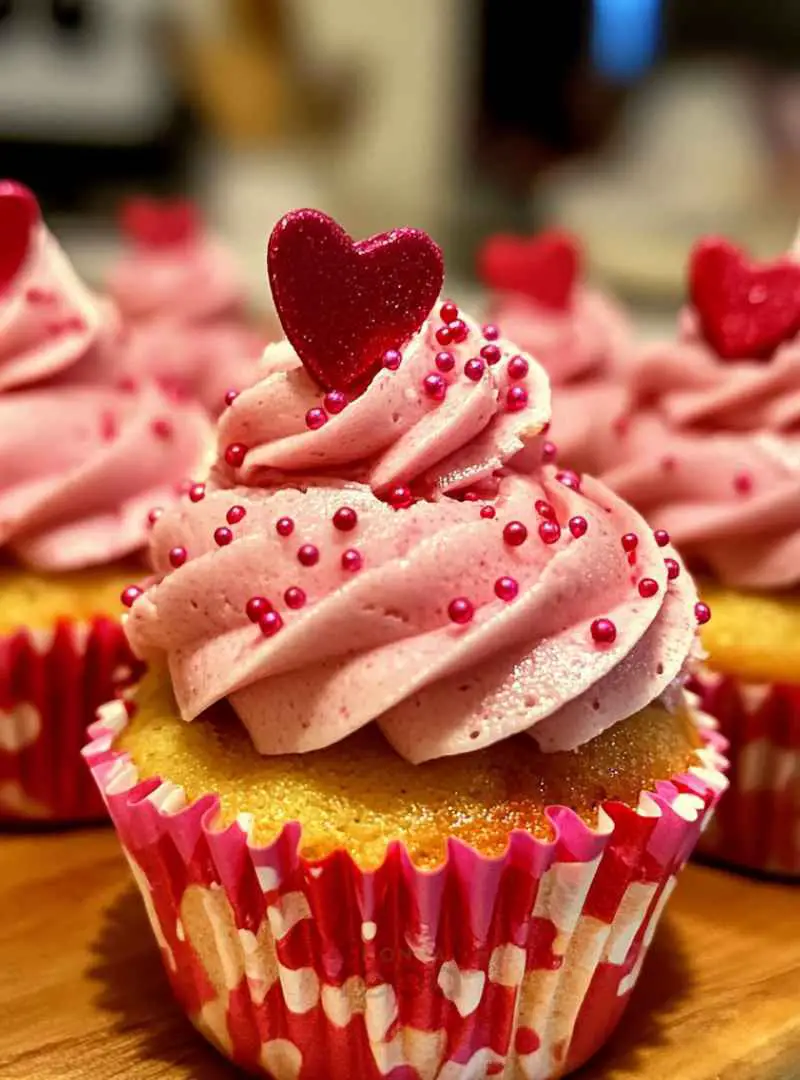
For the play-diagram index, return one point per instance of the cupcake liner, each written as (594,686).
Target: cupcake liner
(51,684)
(518,966)
(757,826)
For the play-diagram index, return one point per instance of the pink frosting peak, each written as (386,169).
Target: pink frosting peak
(708,449)
(183,301)
(48,318)
(591,337)
(373,633)
(191,278)
(82,460)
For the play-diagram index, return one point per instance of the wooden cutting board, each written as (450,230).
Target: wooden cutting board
(83,997)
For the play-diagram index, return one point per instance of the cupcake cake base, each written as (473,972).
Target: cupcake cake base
(299,963)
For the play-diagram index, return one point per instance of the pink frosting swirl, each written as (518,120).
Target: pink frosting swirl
(195,280)
(81,459)
(708,449)
(590,338)
(377,643)
(198,361)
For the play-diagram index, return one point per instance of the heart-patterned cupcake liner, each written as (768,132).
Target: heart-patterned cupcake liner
(757,826)
(51,684)
(518,966)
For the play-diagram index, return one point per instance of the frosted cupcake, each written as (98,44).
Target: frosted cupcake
(83,462)
(708,448)
(183,301)
(412,773)
(579,334)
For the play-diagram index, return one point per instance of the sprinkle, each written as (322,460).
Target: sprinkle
(630,542)
(516,398)
(177,556)
(270,623)
(549,451)
(400,497)
(604,631)
(490,331)
(316,418)
(197,492)
(334,401)
(517,367)
(448,312)
(488,512)
(661,537)
(294,597)
(235,454)
(506,588)
(154,514)
(230,397)
(673,569)
(474,369)
(130,595)
(578,526)
(648,587)
(284,526)
(223,536)
(308,555)
(256,607)
(352,560)
(391,359)
(702,612)
(435,386)
(460,610)
(345,519)
(515,533)
(491,354)
(235,515)
(549,532)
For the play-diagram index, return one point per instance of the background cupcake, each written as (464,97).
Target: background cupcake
(183,302)
(579,334)
(707,447)
(84,460)
(439,777)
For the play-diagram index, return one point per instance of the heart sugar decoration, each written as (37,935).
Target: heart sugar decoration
(746,310)
(165,223)
(342,303)
(19,215)
(545,268)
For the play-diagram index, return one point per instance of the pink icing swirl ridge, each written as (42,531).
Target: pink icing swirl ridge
(710,450)
(193,281)
(82,460)
(48,318)
(378,644)
(591,338)
(393,433)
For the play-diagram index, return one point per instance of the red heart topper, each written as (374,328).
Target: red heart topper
(343,304)
(746,310)
(544,268)
(166,223)
(19,215)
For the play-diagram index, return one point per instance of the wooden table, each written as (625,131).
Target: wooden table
(83,997)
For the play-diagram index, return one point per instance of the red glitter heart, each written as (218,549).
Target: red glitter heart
(343,304)
(544,268)
(19,214)
(165,223)
(746,310)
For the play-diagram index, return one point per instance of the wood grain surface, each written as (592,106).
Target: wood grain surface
(83,997)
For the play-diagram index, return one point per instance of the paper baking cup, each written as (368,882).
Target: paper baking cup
(51,684)
(757,826)
(516,967)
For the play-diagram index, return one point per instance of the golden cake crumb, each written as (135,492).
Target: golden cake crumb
(753,635)
(360,795)
(37,600)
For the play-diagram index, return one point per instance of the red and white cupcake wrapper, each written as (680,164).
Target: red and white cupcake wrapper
(51,685)
(518,966)
(757,826)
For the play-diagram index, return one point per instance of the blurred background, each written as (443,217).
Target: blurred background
(638,123)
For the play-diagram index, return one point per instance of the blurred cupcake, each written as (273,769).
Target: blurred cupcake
(83,462)
(441,770)
(183,301)
(579,334)
(708,448)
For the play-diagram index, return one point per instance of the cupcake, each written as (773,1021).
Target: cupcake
(708,448)
(183,302)
(412,771)
(83,462)
(579,334)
